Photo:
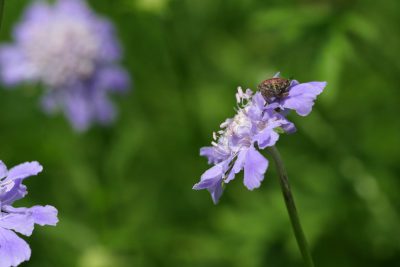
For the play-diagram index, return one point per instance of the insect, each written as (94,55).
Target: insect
(274,87)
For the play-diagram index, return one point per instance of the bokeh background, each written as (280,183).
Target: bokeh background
(124,192)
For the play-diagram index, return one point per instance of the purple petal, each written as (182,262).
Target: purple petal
(301,97)
(13,249)
(3,170)
(73,8)
(216,192)
(210,177)
(103,109)
(238,166)
(267,137)
(17,191)
(256,110)
(110,48)
(289,127)
(294,83)
(76,103)
(112,78)
(258,100)
(19,222)
(212,180)
(24,170)
(210,153)
(273,106)
(14,66)
(78,110)
(42,215)
(37,11)
(213,154)
(254,168)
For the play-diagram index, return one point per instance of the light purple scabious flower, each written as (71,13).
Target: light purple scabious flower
(74,53)
(13,249)
(234,146)
(256,125)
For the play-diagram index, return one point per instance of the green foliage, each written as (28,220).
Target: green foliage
(124,193)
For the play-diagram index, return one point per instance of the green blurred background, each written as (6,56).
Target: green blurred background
(124,192)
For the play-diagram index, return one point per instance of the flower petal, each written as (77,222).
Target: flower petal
(17,191)
(301,97)
(267,137)
(13,249)
(3,170)
(216,192)
(238,166)
(103,109)
(210,177)
(209,153)
(14,67)
(42,215)
(289,127)
(212,180)
(77,108)
(112,78)
(24,170)
(254,168)
(19,222)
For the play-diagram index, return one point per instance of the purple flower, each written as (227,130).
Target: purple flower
(234,146)
(256,125)
(73,53)
(13,249)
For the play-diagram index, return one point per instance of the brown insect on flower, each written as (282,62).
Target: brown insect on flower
(274,87)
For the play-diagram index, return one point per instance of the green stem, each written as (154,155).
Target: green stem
(291,207)
(1,11)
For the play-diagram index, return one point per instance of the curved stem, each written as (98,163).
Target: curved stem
(291,207)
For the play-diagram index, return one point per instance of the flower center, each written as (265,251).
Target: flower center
(241,125)
(62,50)
(236,134)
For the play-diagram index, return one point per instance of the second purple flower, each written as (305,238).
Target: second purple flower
(71,51)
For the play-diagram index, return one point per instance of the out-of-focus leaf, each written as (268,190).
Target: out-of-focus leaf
(330,63)
(362,27)
(290,21)
(153,6)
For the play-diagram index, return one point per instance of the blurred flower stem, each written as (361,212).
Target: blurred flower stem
(1,11)
(291,207)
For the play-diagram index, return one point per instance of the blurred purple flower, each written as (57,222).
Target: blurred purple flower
(74,53)
(13,249)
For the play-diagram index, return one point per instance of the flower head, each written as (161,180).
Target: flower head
(234,146)
(256,125)
(13,249)
(73,53)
